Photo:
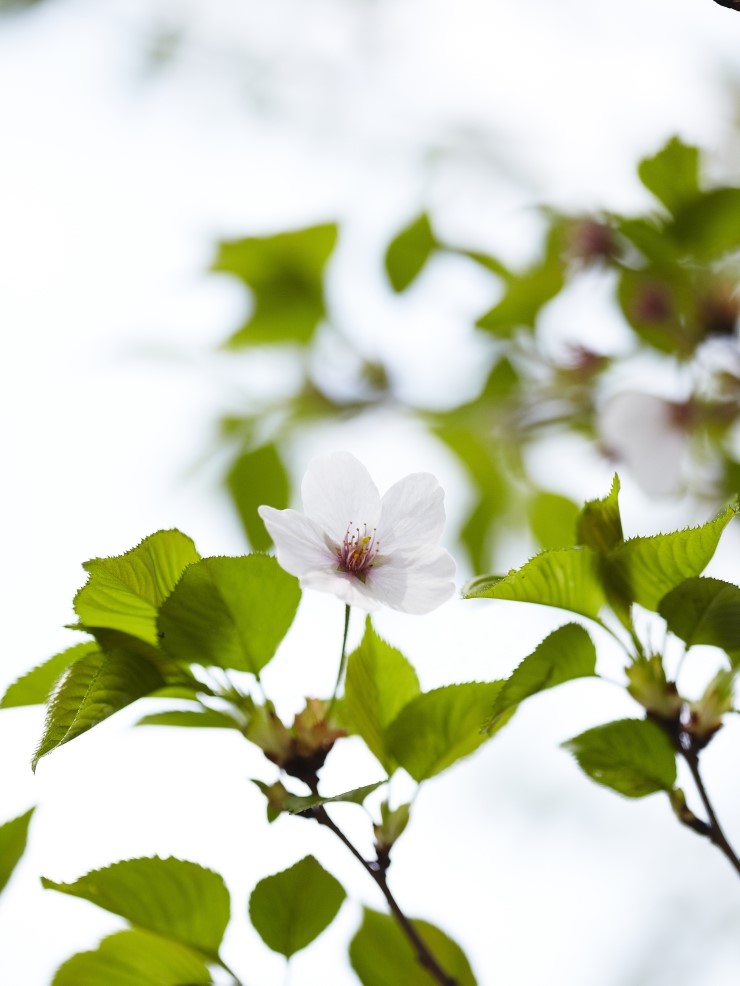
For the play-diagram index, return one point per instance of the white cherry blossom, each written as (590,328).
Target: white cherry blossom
(369,550)
(649,435)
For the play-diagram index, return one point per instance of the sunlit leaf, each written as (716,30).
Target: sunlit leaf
(229,612)
(296,803)
(672,175)
(285,274)
(600,523)
(439,727)
(13,6)
(381,954)
(170,897)
(552,518)
(648,235)
(290,909)
(379,682)
(645,569)
(478,455)
(708,227)
(13,836)
(33,688)
(93,688)
(567,578)
(526,293)
(567,653)
(176,676)
(125,592)
(258,477)
(135,958)
(631,756)
(203,718)
(408,252)
(704,611)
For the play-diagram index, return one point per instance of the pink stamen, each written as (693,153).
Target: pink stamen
(358,551)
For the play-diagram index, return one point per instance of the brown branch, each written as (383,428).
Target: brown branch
(711,829)
(378,873)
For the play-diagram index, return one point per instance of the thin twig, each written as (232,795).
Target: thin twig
(225,967)
(713,829)
(425,957)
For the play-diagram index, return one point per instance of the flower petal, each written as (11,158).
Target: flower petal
(300,544)
(412,513)
(347,587)
(337,491)
(414,582)
(640,430)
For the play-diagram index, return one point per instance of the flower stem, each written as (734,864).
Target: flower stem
(713,830)
(342,661)
(237,980)
(378,873)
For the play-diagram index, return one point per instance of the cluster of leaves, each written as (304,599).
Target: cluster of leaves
(673,271)
(195,632)
(164,622)
(604,577)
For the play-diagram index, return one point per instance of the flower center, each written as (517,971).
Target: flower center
(358,551)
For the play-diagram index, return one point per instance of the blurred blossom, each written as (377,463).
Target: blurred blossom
(719,310)
(649,435)
(591,241)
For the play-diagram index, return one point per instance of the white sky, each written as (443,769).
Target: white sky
(114,183)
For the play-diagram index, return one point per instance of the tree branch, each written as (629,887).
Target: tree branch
(425,957)
(711,829)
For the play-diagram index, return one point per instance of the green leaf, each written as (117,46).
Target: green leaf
(284,273)
(125,592)
(479,529)
(290,909)
(409,251)
(567,578)
(552,518)
(135,958)
(648,235)
(176,676)
(708,227)
(439,727)
(171,897)
(381,954)
(33,688)
(566,654)
(379,682)
(295,803)
(600,522)
(704,611)
(13,836)
(485,260)
(203,717)
(645,569)
(229,612)
(255,478)
(480,457)
(526,293)
(672,175)
(93,688)
(631,756)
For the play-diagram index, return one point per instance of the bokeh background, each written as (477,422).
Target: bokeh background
(133,137)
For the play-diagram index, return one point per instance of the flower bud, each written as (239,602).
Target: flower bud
(706,714)
(649,686)
(392,824)
(301,750)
